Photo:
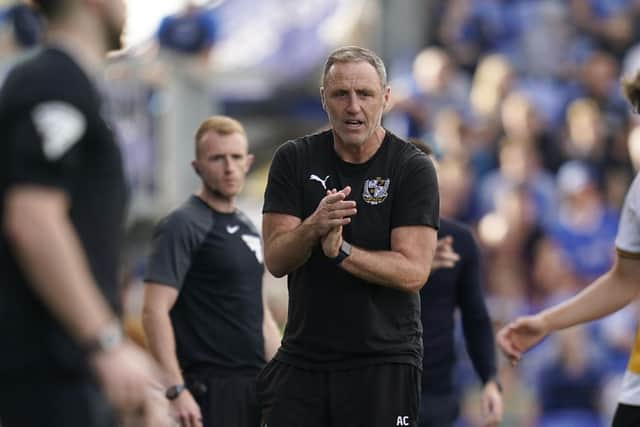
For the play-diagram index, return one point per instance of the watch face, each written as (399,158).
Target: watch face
(174,391)
(345,248)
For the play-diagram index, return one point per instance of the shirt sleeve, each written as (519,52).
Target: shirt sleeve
(417,197)
(476,323)
(44,145)
(282,194)
(628,236)
(174,242)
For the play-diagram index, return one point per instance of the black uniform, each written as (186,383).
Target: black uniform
(53,135)
(214,260)
(341,329)
(446,290)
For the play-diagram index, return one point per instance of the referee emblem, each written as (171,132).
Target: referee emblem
(375,190)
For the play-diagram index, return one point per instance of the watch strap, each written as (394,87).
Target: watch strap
(343,252)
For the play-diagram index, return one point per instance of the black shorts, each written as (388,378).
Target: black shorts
(54,403)
(371,396)
(626,416)
(225,401)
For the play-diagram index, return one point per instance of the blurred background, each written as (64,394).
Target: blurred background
(520,100)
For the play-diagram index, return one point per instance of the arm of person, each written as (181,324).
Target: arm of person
(158,301)
(476,322)
(288,240)
(607,294)
(405,267)
(270,330)
(477,328)
(49,252)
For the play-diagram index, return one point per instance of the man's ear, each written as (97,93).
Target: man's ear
(386,98)
(194,165)
(250,159)
(324,105)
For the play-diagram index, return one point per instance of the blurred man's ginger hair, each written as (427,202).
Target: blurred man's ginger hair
(222,125)
(631,90)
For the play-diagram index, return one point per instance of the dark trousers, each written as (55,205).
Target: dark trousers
(225,400)
(371,396)
(439,410)
(53,403)
(626,416)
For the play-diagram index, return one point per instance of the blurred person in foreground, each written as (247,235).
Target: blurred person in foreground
(455,283)
(204,312)
(64,360)
(605,295)
(351,216)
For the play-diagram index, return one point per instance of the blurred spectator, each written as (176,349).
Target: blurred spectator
(587,137)
(569,384)
(551,275)
(584,227)
(589,140)
(608,24)
(519,167)
(26,23)
(521,122)
(449,135)
(21,28)
(455,180)
(470,28)
(598,79)
(192,31)
(438,85)
(492,81)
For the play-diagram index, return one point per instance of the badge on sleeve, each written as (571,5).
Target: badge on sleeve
(61,126)
(375,190)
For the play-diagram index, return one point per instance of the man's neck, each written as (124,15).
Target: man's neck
(83,43)
(359,154)
(217,202)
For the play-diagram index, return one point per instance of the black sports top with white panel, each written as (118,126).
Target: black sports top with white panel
(54,135)
(214,260)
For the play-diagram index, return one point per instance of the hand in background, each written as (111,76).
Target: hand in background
(492,406)
(445,256)
(520,335)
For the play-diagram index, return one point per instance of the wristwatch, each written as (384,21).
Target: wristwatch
(343,252)
(107,339)
(174,391)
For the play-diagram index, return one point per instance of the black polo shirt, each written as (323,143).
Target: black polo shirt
(337,320)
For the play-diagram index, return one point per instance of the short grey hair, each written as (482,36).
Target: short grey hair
(348,54)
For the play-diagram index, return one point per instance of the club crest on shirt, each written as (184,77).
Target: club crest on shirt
(375,190)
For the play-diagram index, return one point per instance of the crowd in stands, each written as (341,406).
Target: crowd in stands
(521,100)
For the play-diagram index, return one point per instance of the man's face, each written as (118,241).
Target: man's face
(222,163)
(354,100)
(114,21)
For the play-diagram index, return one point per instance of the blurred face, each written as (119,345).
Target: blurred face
(114,13)
(354,100)
(222,163)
